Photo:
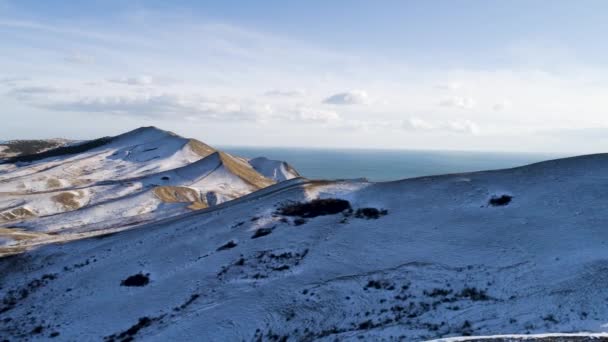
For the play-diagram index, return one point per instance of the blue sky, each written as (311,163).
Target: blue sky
(473,75)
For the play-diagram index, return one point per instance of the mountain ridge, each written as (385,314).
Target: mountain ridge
(143,171)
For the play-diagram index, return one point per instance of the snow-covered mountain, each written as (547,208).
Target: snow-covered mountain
(113,182)
(514,251)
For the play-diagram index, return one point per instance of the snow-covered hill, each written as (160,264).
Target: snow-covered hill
(515,251)
(108,183)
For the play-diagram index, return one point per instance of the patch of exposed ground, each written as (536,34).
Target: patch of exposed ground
(245,171)
(200,148)
(17,234)
(20,213)
(180,194)
(53,183)
(68,199)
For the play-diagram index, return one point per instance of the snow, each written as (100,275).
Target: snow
(273,169)
(113,184)
(442,263)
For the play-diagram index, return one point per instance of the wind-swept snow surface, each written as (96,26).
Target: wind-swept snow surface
(515,251)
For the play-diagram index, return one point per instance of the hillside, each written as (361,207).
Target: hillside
(116,182)
(514,251)
(15,148)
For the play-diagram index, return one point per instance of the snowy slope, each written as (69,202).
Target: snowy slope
(274,169)
(515,251)
(139,176)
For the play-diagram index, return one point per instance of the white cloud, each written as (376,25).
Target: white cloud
(313,115)
(464,126)
(502,105)
(12,81)
(355,97)
(79,58)
(449,86)
(36,90)
(458,102)
(143,80)
(285,93)
(162,106)
(417,124)
(455,126)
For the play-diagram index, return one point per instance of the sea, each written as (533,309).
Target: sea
(387,165)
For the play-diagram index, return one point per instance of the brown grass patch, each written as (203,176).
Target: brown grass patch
(52,183)
(180,194)
(20,213)
(243,170)
(200,148)
(19,234)
(67,199)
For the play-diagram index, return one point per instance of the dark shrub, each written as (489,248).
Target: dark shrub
(474,294)
(366,325)
(437,292)
(500,200)
(139,279)
(299,221)
(314,208)
(228,245)
(370,213)
(261,232)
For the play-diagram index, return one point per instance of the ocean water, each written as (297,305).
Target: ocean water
(386,165)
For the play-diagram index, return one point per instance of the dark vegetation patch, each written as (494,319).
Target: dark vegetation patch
(299,221)
(129,334)
(498,201)
(370,213)
(263,264)
(261,232)
(87,262)
(60,151)
(437,292)
(314,208)
(415,300)
(379,285)
(474,294)
(550,318)
(136,280)
(228,245)
(238,224)
(26,147)
(12,297)
(187,303)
